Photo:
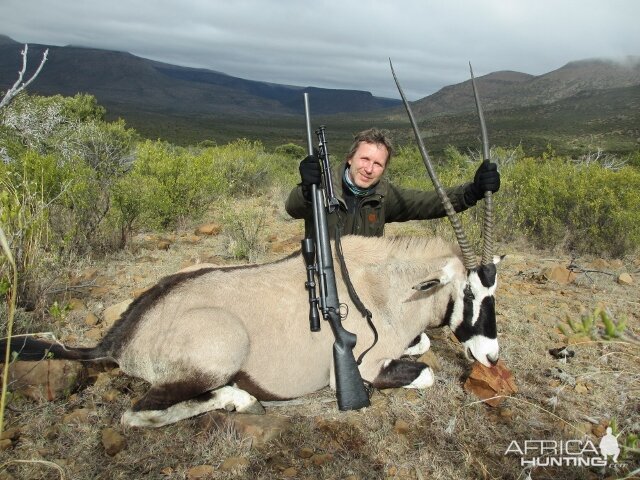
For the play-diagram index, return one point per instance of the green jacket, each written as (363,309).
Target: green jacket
(385,204)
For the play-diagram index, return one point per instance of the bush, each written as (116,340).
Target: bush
(291,150)
(244,227)
(585,208)
(166,184)
(24,217)
(551,201)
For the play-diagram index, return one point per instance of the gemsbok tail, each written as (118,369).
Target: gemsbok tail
(29,348)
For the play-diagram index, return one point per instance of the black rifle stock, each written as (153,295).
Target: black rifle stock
(350,390)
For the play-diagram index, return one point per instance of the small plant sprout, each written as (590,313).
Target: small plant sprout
(598,326)
(59,311)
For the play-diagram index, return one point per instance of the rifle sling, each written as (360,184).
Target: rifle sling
(364,311)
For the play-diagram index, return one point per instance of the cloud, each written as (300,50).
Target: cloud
(340,44)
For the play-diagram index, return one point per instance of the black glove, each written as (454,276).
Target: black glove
(310,174)
(486,179)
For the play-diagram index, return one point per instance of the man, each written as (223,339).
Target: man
(368,200)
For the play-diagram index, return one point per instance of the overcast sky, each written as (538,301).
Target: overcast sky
(340,43)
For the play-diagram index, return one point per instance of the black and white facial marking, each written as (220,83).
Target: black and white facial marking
(473,316)
(471,313)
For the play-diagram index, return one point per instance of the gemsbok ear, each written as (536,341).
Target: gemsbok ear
(498,258)
(426,285)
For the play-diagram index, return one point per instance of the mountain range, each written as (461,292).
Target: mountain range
(120,78)
(588,98)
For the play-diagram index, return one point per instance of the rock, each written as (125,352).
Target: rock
(321,459)
(94,334)
(78,416)
(76,304)
(600,264)
(577,428)
(401,427)
(112,314)
(208,229)
(87,276)
(430,359)
(139,291)
(285,246)
(10,434)
(625,279)
(581,388)
(102,379)
(91,320)
(235,464)
(599,430)
(162,244)
(192,239)
(111,396)
(305,453)
(559,273)
(617,263)
(505,412)
(46,380)
(200,472)
(259,428)
(112,441)
(101,291)
(488,382)
(289,472)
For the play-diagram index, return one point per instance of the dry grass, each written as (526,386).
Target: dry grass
(449,434)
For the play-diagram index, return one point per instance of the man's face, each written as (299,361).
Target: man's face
(367,164)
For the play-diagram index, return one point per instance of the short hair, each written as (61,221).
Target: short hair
(375,136)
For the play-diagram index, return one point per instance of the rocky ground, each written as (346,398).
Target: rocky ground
(67,425)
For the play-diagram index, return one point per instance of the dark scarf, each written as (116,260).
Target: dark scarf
(353,188)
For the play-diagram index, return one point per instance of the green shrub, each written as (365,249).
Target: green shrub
(551,201)
(24,219)
(166,184)
(586,208)
(291,150)
(64,144)
(245,228)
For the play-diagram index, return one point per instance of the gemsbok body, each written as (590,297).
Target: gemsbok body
(227,337)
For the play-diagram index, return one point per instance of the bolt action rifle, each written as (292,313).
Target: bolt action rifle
(350,390)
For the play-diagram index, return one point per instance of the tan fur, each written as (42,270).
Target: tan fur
(256,320)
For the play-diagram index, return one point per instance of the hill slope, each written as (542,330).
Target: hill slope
(125,82)
(585,104)
(502,90)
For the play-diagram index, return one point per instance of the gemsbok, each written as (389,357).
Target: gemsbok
(227,337)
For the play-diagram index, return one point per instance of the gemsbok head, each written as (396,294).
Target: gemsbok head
(471,312)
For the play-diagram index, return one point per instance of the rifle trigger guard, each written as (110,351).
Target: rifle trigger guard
(344,311)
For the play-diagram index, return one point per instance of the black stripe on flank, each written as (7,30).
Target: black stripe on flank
(161,397)
(124,328)
(245,382)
